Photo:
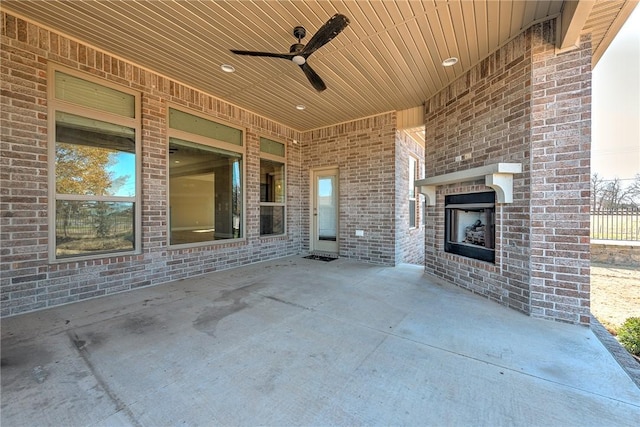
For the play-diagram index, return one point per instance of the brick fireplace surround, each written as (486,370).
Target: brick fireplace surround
(525,104)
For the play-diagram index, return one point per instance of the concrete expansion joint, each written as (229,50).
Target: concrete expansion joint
(120,406)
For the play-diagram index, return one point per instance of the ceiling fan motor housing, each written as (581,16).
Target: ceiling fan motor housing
(296,47)
(299,33)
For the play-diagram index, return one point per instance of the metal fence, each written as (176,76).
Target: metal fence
(618,224)
(76,227)
(90,219)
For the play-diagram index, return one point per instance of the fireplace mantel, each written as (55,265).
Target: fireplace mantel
(498,176)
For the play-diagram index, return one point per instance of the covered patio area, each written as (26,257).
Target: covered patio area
(295,341)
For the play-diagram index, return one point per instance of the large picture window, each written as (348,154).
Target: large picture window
(94,173)
(272,188)
(205,180)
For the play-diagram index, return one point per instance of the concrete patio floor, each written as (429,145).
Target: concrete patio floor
(305,342)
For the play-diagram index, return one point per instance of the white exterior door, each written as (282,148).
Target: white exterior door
(325,210)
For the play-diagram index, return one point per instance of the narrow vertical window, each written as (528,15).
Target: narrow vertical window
(94,172)
(272,188)
(413,172)
(205,180)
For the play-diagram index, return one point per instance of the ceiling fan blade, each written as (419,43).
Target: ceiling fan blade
(266,54)
(299,53)
(314,78)
(325,34)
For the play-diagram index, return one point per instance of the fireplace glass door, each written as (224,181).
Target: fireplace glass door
(470,225)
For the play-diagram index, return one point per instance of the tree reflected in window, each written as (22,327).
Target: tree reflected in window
(95,180)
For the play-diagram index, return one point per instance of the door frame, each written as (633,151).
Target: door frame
(315,245)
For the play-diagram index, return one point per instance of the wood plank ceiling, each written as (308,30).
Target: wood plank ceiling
(388,58)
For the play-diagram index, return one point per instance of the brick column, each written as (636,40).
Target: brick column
(560,175)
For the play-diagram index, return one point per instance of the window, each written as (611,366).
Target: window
(272,188)
(205,180)
(95,152)
(413,172)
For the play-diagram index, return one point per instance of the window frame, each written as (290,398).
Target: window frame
(213,143)
(59,105)
(413,195)
(279,159)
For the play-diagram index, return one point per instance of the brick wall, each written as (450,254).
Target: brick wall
(484,113)
(364,152)
(560,179)
(625,254)
(28,281)
(409,241)
(523,104)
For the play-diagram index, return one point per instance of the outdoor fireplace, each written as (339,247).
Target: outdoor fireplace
(470,225)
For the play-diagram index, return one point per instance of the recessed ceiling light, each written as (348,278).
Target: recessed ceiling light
(300,107)
(227,68)
(450,61)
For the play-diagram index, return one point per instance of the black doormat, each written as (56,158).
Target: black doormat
(319,258)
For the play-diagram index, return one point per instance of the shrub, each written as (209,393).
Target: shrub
(629,335)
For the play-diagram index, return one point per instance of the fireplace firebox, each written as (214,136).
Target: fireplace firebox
(470,225)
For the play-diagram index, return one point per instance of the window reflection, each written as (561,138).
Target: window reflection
(94,157)
(272,197)
(205,193)
(327,207)
(271,181)
(92,227)
(95,186)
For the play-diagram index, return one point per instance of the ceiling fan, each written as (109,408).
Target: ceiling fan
(299,53)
